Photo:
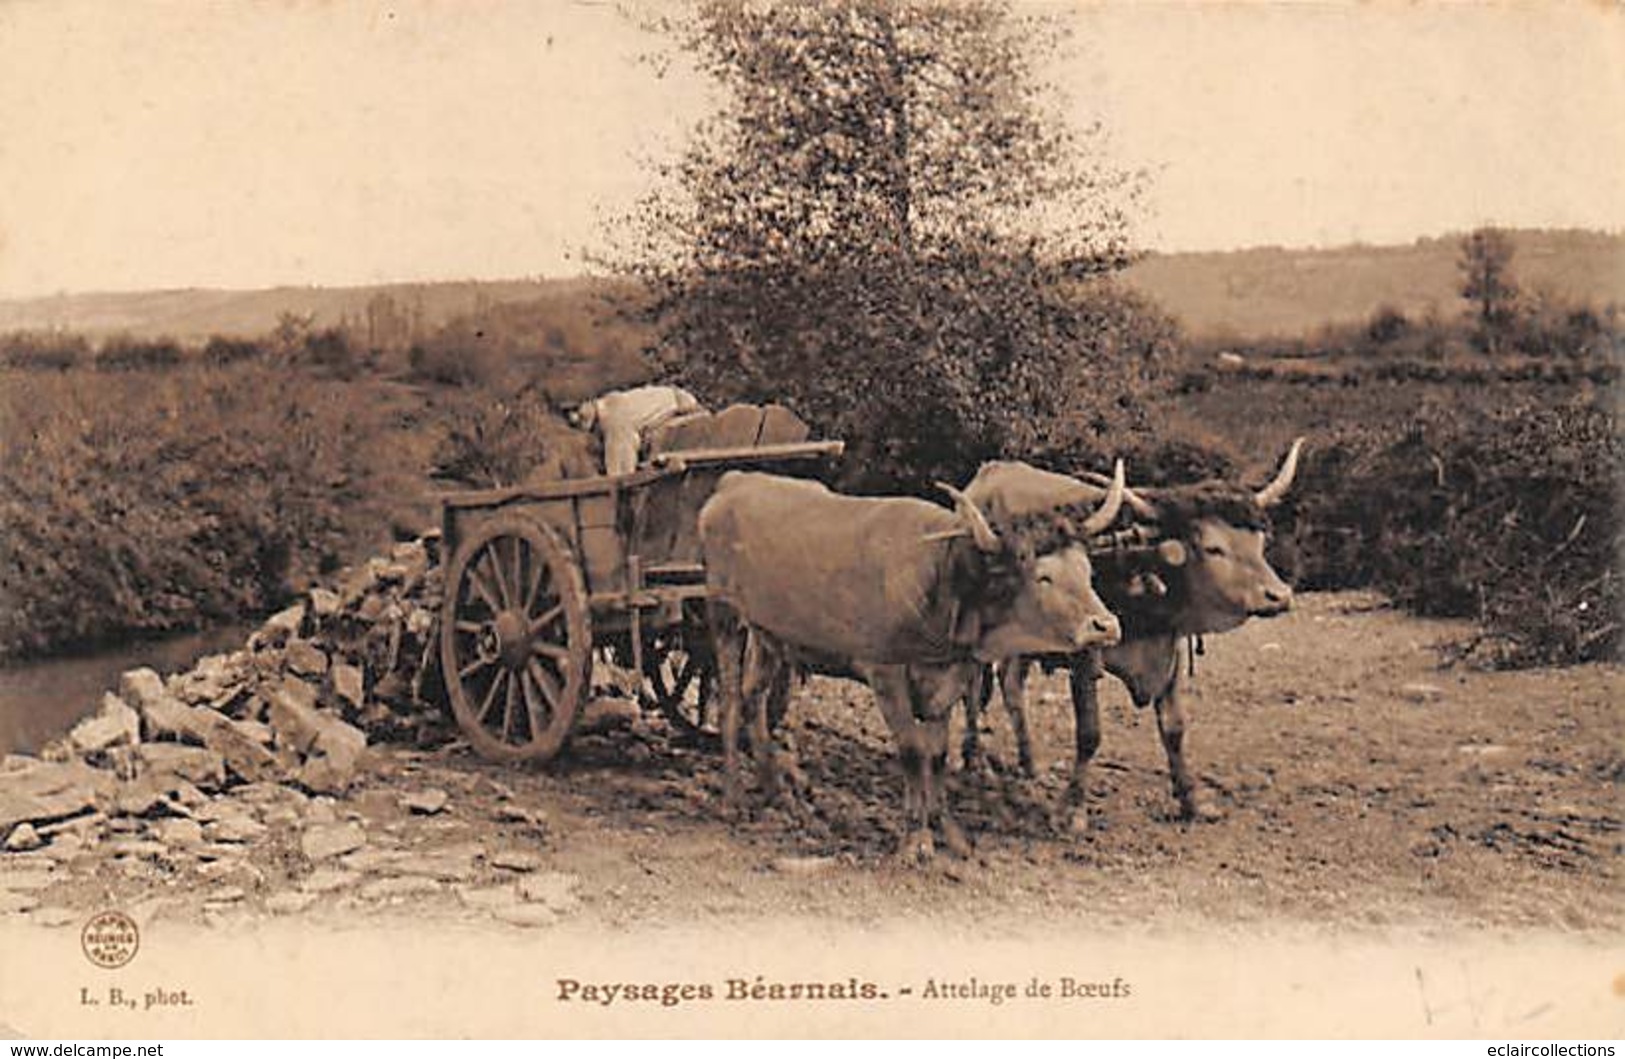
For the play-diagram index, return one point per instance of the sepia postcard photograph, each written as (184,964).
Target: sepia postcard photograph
(850,518)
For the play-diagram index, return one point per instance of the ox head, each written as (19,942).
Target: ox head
(1037,594)
(1213,546)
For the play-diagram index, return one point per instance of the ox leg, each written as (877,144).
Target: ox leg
(933,697)
(892,694)
(977,693)
(935,739)
(728,641)
(1085,681)
(760,666)
(1013,685)
(1171,726)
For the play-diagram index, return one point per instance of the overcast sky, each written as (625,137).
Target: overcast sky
(238,144)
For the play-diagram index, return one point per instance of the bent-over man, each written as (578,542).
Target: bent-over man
(623,417)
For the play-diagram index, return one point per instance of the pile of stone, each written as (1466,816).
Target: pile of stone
(294,707)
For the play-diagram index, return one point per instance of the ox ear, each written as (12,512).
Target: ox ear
(1106,514)
(1271,494)
(1172,552)
(981,532)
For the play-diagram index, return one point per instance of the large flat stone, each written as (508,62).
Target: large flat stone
(239,748)
(23,839)
(336,758)
(38,792)
(283,624)
(293,715)
(349,684)
(515,860)
(327,880)
(399,886)
(234,827)
(27,880)
(167,765)
(526,915)
(331,840)
(305,658)
(450,867)
(556,890)
(14,903)
(115,724)
(289,903)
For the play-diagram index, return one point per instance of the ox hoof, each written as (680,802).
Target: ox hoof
(1080,822)
(736,805)
(953,836)
(917,848)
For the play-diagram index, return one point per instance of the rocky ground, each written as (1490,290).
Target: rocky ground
(1361,786)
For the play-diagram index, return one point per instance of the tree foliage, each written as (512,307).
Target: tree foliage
(888,226)
(1486,282)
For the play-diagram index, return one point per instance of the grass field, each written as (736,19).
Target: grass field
(165,490)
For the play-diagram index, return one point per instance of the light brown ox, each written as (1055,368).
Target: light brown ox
(1203,571)
(907,595)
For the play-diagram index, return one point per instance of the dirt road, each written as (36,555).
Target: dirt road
(1361,787)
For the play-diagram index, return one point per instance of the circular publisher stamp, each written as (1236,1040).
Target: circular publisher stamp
(110,939)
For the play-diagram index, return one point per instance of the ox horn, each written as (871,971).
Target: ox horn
(1143,509)
(1106,514)
(980,531)
(1272,493)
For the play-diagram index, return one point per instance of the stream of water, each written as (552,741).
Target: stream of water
(41,700)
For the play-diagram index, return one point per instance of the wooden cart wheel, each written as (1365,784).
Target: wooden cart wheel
(515,639)
(683,684)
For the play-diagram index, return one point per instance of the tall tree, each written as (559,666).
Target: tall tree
(889,226)
(1486,281)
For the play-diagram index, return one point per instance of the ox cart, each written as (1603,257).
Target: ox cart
(540,579)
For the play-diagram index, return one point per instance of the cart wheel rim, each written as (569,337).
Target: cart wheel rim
(682,684)
(516,639)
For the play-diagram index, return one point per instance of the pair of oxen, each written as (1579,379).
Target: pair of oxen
(918,600)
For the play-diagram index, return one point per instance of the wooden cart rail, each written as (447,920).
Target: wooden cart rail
(661,466)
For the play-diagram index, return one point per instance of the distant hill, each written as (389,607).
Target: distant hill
(1264,291)
(194,315)
(1271,291)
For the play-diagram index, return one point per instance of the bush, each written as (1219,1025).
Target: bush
(43,351)
(219,351)
(492,442)
(1510,518)
(329,351)
(123,353)
(1387,325)
(143,506)
(452,360)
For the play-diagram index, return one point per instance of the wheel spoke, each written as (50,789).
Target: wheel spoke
(521,549)
(684,675)
(552,615)
(534,705)
(508,708)
(537,576)
(477,579)
(546,684)
(474,667)
(493,552)
(491,696)
(469,626)
(558,654)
